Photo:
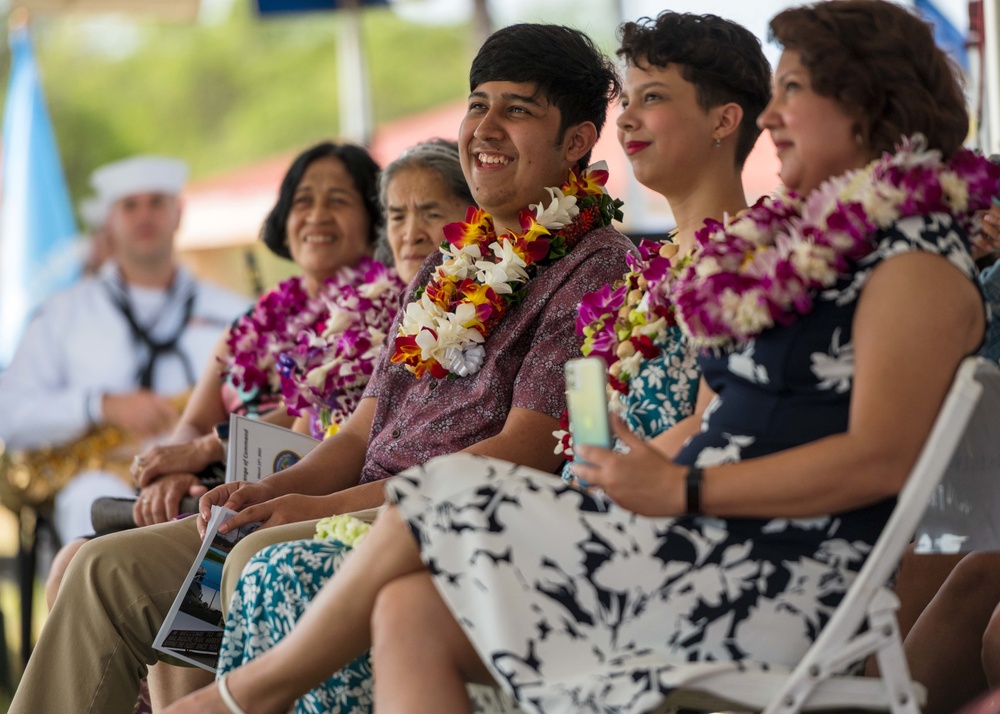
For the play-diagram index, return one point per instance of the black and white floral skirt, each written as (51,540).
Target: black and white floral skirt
(577,605)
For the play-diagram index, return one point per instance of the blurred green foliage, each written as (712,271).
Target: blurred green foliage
(221,96)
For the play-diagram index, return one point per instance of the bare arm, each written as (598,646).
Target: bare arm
(526,439)
(301,424)
(335,464)
(167,471)
(205,408)
(323,483)
(915,321)
(326,481)
(279,416)
(194,430)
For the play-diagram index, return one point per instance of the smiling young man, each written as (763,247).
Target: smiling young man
(539,96)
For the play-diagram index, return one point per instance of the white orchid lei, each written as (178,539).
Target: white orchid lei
(765,266)
(484,275)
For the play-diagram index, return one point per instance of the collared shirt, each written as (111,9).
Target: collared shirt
(79,345)
(417,419)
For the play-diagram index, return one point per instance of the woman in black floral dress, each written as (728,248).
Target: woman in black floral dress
(815,309)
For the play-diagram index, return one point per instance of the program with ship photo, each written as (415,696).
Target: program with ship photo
(192,630)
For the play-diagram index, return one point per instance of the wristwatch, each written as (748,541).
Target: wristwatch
(692,487)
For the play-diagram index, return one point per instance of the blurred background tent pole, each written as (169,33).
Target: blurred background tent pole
(482,23)
(355,103)
(37,228)
(991,76)
(352,75)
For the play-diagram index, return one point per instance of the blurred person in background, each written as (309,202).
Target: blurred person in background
(116,348)
(97,250)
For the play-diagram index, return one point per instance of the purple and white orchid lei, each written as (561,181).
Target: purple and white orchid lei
(765,266)
(318,352)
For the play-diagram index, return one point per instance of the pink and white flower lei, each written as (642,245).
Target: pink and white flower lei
(318,352)
(765,266)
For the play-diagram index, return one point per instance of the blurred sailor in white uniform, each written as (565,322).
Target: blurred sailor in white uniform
(114,348)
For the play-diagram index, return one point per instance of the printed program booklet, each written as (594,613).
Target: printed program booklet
(192,630)
(258,449)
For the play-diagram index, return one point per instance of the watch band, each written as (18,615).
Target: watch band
(692,488)
(222,431)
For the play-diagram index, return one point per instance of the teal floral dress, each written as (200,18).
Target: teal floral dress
(274,590)
(665,389)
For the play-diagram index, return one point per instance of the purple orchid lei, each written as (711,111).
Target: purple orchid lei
(765,266)
(317,352)
(635,310)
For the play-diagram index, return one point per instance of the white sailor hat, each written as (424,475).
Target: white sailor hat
(138,174)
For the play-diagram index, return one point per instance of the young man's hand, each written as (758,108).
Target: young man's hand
(282,510)
(234,496)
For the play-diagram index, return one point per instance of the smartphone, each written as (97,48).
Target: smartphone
(587,401)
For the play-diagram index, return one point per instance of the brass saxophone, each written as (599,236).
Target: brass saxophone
(32,477)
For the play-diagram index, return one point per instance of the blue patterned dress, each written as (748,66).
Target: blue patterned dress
(602,609)
(665,389)
(274,590)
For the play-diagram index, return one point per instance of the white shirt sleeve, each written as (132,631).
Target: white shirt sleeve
(37,405)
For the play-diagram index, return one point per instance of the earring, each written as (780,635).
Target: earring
(858,139)
(718,143)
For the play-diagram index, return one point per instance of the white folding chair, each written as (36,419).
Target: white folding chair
(964,433)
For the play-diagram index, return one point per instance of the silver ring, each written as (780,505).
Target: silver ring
(144,499)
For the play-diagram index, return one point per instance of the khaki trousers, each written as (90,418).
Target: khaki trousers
(97,642)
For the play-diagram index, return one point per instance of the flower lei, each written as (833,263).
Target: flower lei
(624,324)
(317,352)
(345,529)
(765,266)
(483,275)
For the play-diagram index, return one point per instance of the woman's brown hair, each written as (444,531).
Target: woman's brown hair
(879,62)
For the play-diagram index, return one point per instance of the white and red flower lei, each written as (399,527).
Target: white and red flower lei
(484,275)
(318,352)
(765,266)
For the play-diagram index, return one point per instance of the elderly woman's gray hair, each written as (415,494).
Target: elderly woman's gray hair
(436,155)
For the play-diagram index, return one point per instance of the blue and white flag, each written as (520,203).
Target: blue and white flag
(37,227)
